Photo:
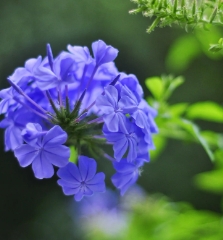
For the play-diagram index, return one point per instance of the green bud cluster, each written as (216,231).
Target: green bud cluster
(81,132)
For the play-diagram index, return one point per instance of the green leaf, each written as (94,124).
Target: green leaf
(214,139)
(173,83)
(73,155)
(216,47)
(191,128)
(178,109)
(206,110)
(156,87)
(207,37)
(203,142)
(182,52)
(219,159)
(210,181)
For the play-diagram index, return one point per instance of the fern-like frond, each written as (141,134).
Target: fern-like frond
(185,13)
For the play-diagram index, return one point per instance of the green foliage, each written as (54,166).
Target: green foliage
(217,47)
(210,111)
(156,217)
(175,121)
(182,52)
(212,180)
(184,13)
(162,88)
(188,47)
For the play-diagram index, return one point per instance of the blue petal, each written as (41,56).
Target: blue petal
(114,137)
(127,105)
(66,70)
(55,136)
(119,180)
(111,94)
(120,148)
(25,154)
(80,53)
(103,53)
(69,184)
(70,191)
(128,184)
(70,173)
(104,105)
(42,168)
(87,167)
(124,167)
(112,122)
(78,196)
(58,156)
(97,184)
(13,138)
(132,153)
(87,191)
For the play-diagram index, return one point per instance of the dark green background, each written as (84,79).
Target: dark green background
(34,209)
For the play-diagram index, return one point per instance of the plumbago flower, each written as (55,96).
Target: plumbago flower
(82,102)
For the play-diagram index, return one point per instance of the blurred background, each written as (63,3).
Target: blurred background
(34,209)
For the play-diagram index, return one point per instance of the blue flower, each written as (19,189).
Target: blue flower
(122,140)
(109,106)
(44,153)
(14,123)
(7,100)
(127,174)
(80,101)
(58,72)
(103,53)
(82,180)
(32,132)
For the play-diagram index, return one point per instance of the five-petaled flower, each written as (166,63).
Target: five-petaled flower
(82,181)
(45,152)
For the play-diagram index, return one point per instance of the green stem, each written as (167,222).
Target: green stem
(154,24)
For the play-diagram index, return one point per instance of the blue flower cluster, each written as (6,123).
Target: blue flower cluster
(81,101)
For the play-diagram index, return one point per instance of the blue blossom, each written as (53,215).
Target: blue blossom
(80,101)
(103,53)
(7,100)
(14,124)
(32,132)
(127,174)
(109,106)
(58,72)
(47,151)
(81,181)
(13,137)
(122,140)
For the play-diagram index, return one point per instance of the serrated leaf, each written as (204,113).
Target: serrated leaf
(156,87)
(206,110)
